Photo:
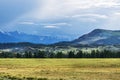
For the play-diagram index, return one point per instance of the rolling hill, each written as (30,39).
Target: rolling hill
(99,37)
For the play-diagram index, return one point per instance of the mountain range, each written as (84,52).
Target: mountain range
(16,37)
(96,37)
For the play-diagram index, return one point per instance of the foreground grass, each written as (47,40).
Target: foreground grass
(59,69)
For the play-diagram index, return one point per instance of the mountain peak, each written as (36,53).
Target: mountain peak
(100,30)
(100,36)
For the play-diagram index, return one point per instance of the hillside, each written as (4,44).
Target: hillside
(99,37)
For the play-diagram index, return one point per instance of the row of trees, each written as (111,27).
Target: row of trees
(71,54)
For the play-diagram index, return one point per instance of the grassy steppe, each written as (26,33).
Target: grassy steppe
(60,69)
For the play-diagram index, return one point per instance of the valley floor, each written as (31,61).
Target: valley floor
(59,69)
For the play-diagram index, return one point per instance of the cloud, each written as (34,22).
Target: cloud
(51,10)
(57,9)
(56,24)
(117,14)
(61,24)
(113,22)
(90,15)
(80,15)
(51,27)
(27,23)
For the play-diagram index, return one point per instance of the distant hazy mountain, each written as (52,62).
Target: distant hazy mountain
(99,36)
(12,37)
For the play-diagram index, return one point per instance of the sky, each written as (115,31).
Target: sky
(59,17)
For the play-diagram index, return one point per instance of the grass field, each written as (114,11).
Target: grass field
(59,69)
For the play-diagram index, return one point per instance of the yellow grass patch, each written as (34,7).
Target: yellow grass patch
(60,69)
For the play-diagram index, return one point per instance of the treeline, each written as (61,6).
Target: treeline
(71,54)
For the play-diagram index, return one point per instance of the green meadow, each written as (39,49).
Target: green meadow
(59,69)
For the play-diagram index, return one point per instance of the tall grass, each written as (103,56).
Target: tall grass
(60,69)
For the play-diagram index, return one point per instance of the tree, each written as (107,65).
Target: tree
(51,55)
(93,54)
(28,55)
(18,55)
(71,54)
(59,55)
(118,54)
(41,54)
(97,54)
(79,54)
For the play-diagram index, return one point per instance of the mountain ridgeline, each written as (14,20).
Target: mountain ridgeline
(17,37)
(99,37)
(96,37)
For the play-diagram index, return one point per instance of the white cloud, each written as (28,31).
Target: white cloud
(87,20)
(87,4)
(54,9)
(27,23)
(74,12)
(51,27)
(113,22)
(61,24)
(56,24)
(88,17)
(117,14)
(91,15)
